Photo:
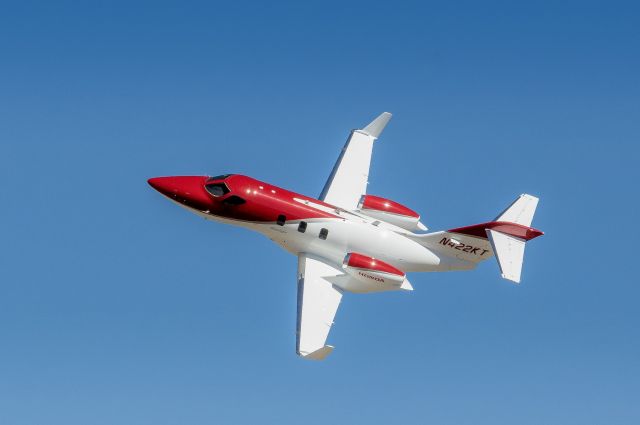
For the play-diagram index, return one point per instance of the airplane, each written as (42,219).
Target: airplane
(347,240)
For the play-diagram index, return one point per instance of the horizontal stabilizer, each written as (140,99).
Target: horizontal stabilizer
(509,252)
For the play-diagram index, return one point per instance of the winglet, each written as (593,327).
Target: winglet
(376,126)
(319,354)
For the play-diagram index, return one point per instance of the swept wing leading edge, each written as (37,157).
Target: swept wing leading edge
(348,180)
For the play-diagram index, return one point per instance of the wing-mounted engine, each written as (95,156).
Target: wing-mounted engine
(366,274)
(390,212)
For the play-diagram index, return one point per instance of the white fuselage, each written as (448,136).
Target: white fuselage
(352,233)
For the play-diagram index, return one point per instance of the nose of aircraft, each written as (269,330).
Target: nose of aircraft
(188,190)
(162,185)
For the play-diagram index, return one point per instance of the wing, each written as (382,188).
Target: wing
(318,302)
(348,180)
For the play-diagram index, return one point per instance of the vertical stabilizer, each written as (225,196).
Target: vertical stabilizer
(504,238)
(521,211)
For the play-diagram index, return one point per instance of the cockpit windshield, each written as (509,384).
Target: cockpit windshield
(220,177)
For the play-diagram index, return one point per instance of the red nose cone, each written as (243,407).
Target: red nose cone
(188,190)
(162,185)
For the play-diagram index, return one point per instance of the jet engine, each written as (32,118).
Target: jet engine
(366,274)
(390,212)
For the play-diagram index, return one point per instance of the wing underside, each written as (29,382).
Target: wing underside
(350,175)
(318,302)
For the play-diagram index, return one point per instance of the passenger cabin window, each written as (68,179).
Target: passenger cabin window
(323,233)
(281,220)
(217,189)
(302,227)
(234,200)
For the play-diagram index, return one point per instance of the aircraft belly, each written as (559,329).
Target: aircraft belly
(392,248)
(345,237)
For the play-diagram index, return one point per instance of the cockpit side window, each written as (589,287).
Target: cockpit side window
(217,189)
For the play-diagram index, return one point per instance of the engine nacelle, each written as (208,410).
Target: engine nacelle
(366,274)
(390,212)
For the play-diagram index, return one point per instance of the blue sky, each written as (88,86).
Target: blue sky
(118,307)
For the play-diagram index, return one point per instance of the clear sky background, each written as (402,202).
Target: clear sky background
(117,307)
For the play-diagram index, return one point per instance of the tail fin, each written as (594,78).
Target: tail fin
(521,211)
(507,247)
(505,237)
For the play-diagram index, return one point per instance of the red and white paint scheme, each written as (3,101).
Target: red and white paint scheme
(348,241)
(391,212)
